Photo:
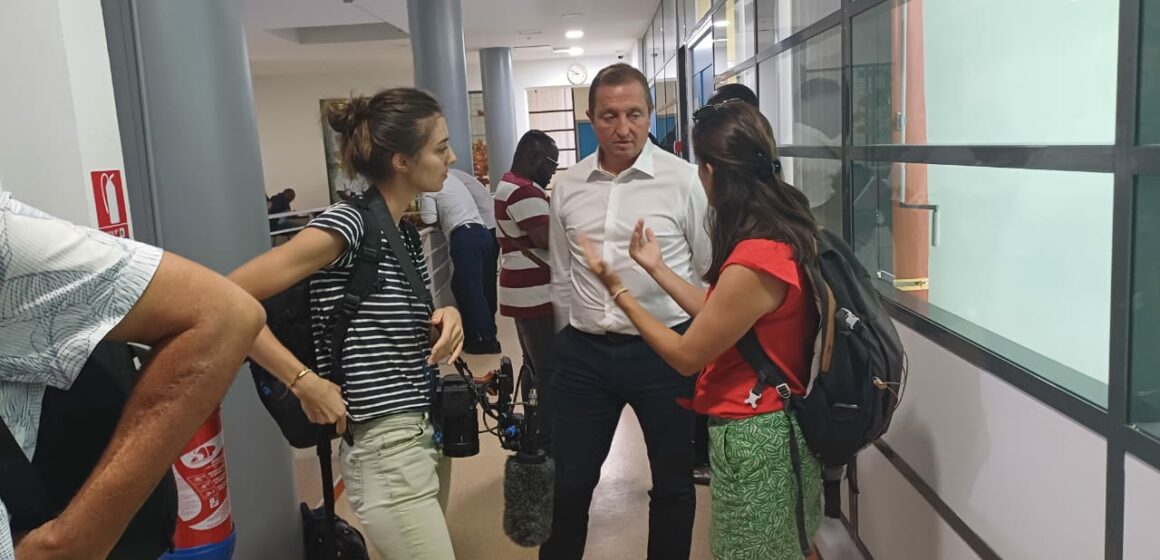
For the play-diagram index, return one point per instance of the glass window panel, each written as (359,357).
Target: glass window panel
(689,16)
(646,59)
(565,140)
(1145,368)
(722,20)
(948,87)
(764,16)
(658,51)
(701,8)
(1016,260)
(669,22)
(549,99)
(801,92)
(701,81)
(1149,95)
(477,124)
(550,121)
(667,115)
(733,34)
(747,78)
(778,19)
(821,181)
(567,158)
(745,35)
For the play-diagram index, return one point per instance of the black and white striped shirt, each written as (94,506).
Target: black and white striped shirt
(388,344)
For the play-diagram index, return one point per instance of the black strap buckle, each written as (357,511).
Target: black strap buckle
(350,304)
(755,395)
(784,392)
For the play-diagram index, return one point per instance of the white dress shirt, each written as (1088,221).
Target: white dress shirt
(451,207)
(483,201)
(662,189)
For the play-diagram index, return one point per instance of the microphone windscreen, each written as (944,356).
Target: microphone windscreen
(527,491)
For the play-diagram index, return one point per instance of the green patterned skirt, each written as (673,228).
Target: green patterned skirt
(754,491)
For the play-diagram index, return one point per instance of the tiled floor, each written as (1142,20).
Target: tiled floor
(619,515)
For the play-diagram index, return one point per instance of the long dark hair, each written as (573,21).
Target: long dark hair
(748,198)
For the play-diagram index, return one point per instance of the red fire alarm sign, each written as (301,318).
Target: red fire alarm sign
(109,196)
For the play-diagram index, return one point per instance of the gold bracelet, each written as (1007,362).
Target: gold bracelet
(299,377)
(618,293)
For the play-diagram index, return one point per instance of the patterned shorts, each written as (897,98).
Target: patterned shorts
(754,491)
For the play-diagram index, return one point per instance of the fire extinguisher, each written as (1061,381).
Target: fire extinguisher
(205,528)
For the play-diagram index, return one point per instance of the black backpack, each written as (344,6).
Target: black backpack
(288,316)
(858,379)
(75,427)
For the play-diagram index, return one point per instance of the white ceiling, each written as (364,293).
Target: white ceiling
(610,26)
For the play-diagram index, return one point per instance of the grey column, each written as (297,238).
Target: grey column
(189,95)
(441,66)
(499,110)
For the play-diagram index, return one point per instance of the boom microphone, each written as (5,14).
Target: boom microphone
(528,486)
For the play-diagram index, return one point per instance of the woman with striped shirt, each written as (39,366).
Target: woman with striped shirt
(397,140)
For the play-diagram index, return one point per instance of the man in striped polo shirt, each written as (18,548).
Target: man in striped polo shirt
(521,213)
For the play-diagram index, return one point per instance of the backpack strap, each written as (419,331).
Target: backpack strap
(363,278)
(378,208)
(769,374)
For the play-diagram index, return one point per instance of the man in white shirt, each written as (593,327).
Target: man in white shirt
(486,206)
(601,362)
(64,289)
(453,209)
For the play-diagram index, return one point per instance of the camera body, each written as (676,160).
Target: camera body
(458,399)
(456,417)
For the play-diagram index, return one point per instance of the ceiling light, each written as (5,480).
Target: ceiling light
(721,23)
(560,50)
(574,34)
(571,15)
(575,51)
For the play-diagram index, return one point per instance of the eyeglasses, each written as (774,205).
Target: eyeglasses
(552,161)
(710,109)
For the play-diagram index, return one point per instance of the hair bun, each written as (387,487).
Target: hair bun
(346,115)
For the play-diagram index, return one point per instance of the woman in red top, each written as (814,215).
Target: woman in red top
(762,232)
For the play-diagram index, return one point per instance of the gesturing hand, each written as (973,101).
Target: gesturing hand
(644,249)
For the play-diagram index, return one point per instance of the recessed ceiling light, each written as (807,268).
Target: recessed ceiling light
(575,34)
(721,23)
(575,51)
(571,15)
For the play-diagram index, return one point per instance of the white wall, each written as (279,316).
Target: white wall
(1141,496)
(1027,479)
(290,127)
(547,73)
(58,120)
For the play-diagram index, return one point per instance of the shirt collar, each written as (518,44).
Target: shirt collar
(644,163)
(517,180)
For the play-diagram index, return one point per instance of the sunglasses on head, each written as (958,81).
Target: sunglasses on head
(710,109)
